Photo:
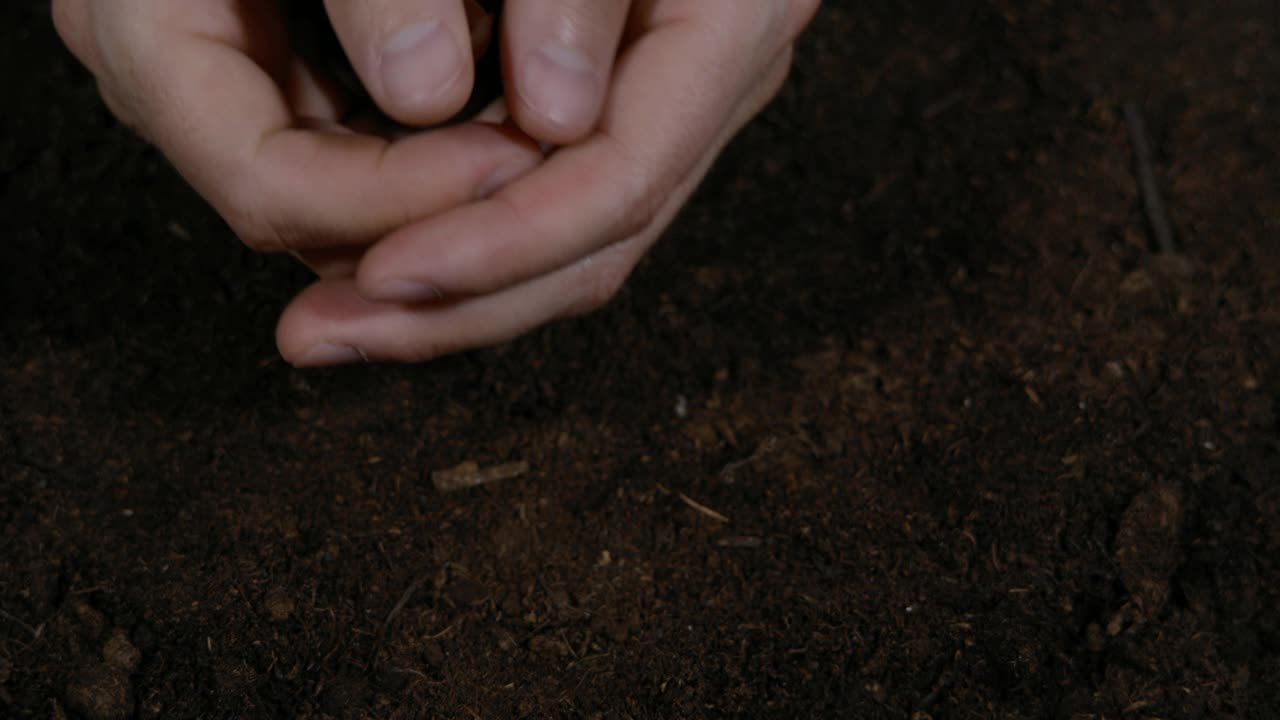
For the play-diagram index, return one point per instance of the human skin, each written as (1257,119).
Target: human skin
(459,236)
(314,38)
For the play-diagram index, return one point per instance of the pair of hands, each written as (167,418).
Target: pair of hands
(458,236)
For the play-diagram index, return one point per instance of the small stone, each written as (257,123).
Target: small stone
(279,605)
(1148,546)
(91,620)
(100,692)
(120,653)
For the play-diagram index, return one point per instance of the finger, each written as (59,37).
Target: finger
(331,323)
(559,57)
(71,20)
(658,122)
(331,263)
(225,124)
(413,56)
(312,97)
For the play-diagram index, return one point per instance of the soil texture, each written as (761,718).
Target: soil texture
(910,415)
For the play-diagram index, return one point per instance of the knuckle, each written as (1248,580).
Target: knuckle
(259,212)
(255,238)
(640,200)
(638,195)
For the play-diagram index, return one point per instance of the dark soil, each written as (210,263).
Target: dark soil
(980,450)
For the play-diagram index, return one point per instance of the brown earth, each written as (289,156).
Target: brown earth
(905,418)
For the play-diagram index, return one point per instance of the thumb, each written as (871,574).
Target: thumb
(413,56)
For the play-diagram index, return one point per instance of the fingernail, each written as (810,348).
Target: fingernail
(406,291)
(418,63)
(326,355)
(560,83)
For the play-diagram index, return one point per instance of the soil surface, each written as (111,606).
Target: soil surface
(905,418)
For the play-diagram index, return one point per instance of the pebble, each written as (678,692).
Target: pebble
(279,605)
(120,653)
(100,692)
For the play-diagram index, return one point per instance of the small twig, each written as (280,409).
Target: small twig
(444,632)
(470,474)
(409,671)
(404,600)
(702,508)
(1157,215)
(934,695)
(1137,705)
(763,449)
(395,610)
(591,658)
(36,632)
(943,105)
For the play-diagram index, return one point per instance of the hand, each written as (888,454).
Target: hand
(215,84)
(561,239)
(413,57)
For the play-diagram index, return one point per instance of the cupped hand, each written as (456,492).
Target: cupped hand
(561,239)
(217,87)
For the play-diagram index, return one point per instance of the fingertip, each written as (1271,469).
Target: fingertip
(424,75)
(327,355)
(291,334)
(559,94)
(309,331)
(558,60)
(413,57)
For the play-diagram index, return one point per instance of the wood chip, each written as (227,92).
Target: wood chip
(470,474)
(703,508)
